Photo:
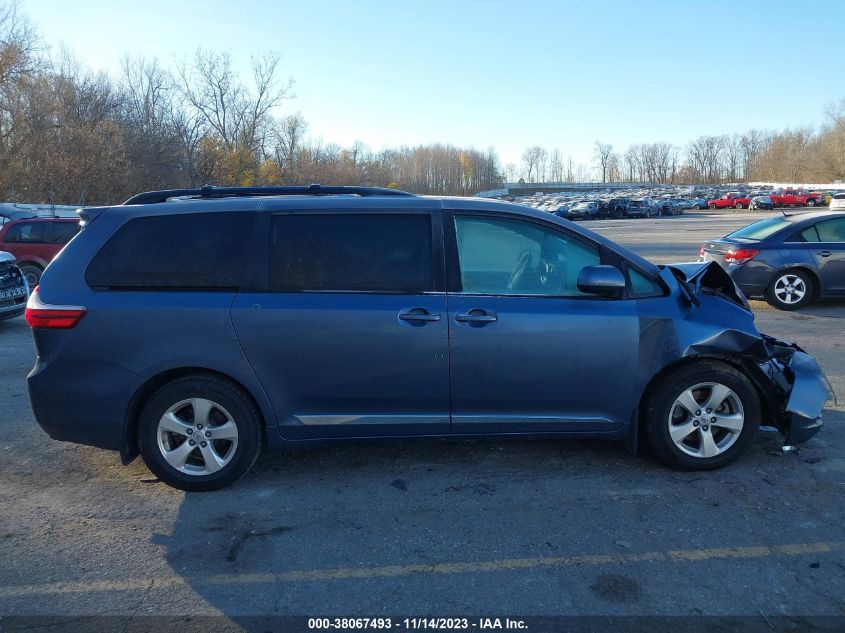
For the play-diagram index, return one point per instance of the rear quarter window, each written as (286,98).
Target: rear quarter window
(195,251)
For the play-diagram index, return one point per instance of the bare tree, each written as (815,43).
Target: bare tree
(238,114)
(602,156)
(531,161)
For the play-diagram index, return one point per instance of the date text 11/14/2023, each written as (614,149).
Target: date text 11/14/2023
(422,623)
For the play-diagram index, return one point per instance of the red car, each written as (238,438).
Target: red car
(735,200)
(795,198)
(35,242)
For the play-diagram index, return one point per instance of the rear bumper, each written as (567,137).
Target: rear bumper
(753,280)
(82,401)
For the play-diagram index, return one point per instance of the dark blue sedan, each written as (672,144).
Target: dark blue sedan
(790,260)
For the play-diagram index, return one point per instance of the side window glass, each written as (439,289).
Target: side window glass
(642,285)
(807,235)
(513,257)
(832,230)
(185,251)
(351,253)
(32,232)
(64,231)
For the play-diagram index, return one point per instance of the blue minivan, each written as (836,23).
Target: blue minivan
(197,326)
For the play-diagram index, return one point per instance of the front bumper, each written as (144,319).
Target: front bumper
(800,391)
(10,308)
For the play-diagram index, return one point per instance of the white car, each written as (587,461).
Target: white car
(837,201)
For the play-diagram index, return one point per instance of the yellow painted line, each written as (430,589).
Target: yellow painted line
(390,571)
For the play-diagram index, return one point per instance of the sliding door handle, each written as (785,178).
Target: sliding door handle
(418,314)
(476,315)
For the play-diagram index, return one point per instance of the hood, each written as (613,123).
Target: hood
(707,278)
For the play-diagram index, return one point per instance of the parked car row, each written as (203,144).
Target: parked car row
(670,200)
(780,198)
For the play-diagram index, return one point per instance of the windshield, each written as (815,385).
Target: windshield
(762,229)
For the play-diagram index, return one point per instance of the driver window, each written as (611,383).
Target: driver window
(513,257)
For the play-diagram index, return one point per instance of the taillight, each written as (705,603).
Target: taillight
(740,255)
(701,251)
(42,315)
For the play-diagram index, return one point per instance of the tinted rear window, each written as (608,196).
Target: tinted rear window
(190,251)
(762,229)
(345,252)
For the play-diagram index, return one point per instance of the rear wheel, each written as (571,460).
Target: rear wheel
(199,433)
(811,202)
(790,290)
(739,205)
(32,272)
(712,206)
(702,416)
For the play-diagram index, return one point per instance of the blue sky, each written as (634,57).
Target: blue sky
(508,74)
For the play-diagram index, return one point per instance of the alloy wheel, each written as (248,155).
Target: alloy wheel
(790,289)
(706,420)
(197,436)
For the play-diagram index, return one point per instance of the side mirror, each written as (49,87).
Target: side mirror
(604,281)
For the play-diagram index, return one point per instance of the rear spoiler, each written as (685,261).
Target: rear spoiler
(89,214)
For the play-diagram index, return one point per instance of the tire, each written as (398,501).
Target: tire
(32,272)
(790,290)
(739,205)
(696,206)
(228,410)
(811,202)
(737,416)
(712,206)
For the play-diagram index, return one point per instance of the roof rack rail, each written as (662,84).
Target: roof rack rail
(209,191)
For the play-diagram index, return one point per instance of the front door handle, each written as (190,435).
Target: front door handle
(476,315)
(418,314)
(824,253)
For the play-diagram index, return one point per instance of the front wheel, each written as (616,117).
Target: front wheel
(739,205)
(790,290)
(32,273)
(199,433)
(811,203)
(696,206)
(702,416)
(712,206)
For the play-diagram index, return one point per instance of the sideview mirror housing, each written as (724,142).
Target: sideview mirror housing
(604,281)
